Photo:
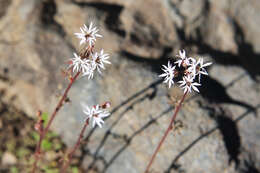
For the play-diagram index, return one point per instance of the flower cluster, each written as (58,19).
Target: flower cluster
(187,69)
(96,113)
(88,61)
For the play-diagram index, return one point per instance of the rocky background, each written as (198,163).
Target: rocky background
(221,125)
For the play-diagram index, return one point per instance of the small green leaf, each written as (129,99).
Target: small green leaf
(75,170)
(50,170)
(14,170)
(57,146)
(21,152)
(45,119)
(35,136)
(51,135)
(46,145)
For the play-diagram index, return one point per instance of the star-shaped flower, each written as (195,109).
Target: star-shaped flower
(89,72)
(98,60)
(184,60)
(188,84)
(95,114)
(200,68)
(79,65)
(88,34)
(182,56)
(169,74)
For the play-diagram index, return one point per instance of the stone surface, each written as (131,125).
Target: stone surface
(8,159)
(221,132)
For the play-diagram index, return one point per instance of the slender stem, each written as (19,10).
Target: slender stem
(166,132)
(45,130)
(66,163)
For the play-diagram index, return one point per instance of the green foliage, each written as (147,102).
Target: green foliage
(22,152)
(46,145)
(57,145)
(45,118)
(14,170)
(35,135)
(47,169)
(75,170)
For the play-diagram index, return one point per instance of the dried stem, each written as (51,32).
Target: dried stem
(67,161)
(45,130)
(166,132)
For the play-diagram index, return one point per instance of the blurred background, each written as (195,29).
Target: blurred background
(219,128)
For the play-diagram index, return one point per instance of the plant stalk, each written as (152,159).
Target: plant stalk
(45,130)
(76,146)
(166,132)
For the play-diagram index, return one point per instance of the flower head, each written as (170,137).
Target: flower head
(184,60)
(200,68)
(95,114)
(88,34)
(98,60)
(187,69)
(169,74)
(89,72)
(78,64)
(188,84)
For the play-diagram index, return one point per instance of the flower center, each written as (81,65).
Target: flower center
(87,36)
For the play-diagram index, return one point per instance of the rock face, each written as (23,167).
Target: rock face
(221,130)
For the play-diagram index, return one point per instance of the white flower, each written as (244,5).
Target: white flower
(184,61)
(88,34)
(168,74)
(181,55)
(190,61)
(98,60)
(187,84)
(199,66)
(89,72)
(79,65)
(95,114)
(191,71)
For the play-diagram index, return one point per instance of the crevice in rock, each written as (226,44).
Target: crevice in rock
(249,59)
(144,34)
(4,4)
(48,11)
(214,92)
(229,130)
(245,58)
(113,12)
(249,165)
(154,64)
(175,168)
(231,137)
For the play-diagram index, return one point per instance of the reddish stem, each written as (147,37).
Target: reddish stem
(45,130)
(76,146)
(166,132)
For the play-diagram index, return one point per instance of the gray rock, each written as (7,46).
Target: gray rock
(8,159)
(220,130)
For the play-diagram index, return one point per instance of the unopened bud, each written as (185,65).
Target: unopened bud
(39,114)
(39,126)
(106,105)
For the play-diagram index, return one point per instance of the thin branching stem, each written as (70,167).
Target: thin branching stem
(67,161)
(166,132)
(45,130)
